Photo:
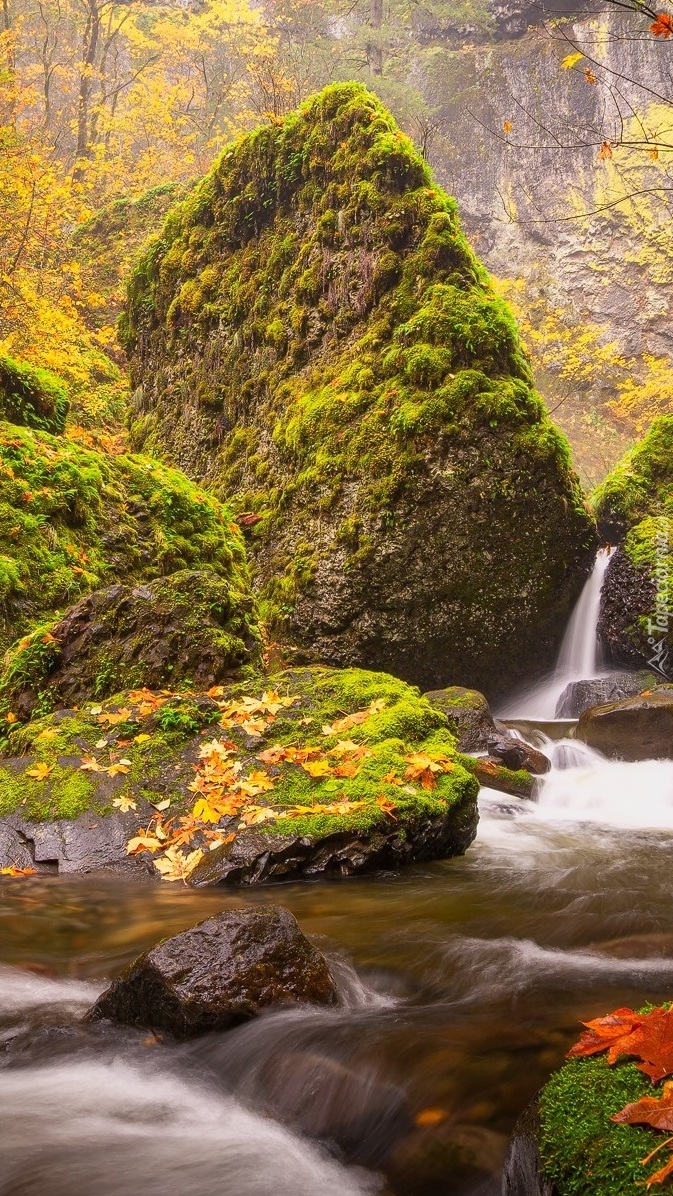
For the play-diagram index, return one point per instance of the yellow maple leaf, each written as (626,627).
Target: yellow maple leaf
(205,812)
(41,771)
(571,60)
(143,843)
(254,815)
(90,764)
(125,804)
(176,865)
(317,768)
(116,769)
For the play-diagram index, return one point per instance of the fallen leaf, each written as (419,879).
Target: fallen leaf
(589,75)
(663,26)
(125,804)
(143,843)
(175,865)
(90,764)
(144,738)
(14,718)
(571,60)
(117,769)
(654,153)
(18,871)
(605,151)
(429,1117)
(49,733)
(41,771)
(317,768)
(646,1036)
(507,126)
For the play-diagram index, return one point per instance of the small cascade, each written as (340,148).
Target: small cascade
(578,659)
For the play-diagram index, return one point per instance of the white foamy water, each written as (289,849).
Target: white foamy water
(102,1129)
(578,657)
(22,992)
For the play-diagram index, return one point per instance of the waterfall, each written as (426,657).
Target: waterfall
(578,657)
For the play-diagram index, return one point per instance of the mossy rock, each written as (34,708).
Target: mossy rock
(32,397)
(581,1152)
(107,244)
(72,519)
(634,506)
(311,333)
(160,741)
(189,629)
(469,716)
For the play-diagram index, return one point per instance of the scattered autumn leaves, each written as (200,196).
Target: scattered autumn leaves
(647,1037)
(226,793)
(230,794)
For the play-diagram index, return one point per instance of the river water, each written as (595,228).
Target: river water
(462,985)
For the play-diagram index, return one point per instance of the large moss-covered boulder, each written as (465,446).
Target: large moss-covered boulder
(32,397)
(311,333)
(634,507)
(190,628)
(73,520)
(327,772)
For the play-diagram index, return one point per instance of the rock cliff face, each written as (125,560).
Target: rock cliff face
(521,195)
(312,333)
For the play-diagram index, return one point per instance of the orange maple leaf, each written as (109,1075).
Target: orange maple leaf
(663,26)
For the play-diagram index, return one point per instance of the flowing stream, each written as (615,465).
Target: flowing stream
(462,984)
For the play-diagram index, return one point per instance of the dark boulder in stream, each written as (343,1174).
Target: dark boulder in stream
(579,696)
(639,728)
(469,716)
(218,974)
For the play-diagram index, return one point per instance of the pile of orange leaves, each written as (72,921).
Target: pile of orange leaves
(647,1037)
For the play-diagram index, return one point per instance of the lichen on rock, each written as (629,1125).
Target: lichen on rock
(311,333)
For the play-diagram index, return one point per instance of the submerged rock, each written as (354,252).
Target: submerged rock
(311,332)
(222,972)
(189,625)
(327,772)
(579,696)
(450,1157)
(639,728)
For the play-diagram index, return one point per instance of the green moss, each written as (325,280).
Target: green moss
(162,764)
(374,348)
(642,483)
(72,520)
(583,1152)
(33,397)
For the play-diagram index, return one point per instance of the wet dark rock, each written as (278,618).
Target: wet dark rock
(516,754)
(582,695)
(187,625)
(639,728)
(628,594)
(522,1175)
(218,974)
(469,716)
(255,857)
(85,844)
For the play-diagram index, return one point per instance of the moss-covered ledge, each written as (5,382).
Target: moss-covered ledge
(316,770)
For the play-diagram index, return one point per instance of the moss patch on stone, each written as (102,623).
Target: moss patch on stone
(70,519)
(583,1152)
(32,397)
(162,748)
(635,506)
(311,332)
